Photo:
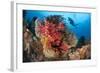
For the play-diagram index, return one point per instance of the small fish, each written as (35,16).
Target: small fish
(71,21)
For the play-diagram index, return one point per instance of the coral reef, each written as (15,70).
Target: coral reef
(50,40)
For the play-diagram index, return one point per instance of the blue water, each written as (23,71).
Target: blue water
(82,20)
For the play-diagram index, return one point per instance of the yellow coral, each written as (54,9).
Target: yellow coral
(47,50)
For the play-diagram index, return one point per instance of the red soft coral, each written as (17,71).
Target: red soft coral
(52,32)
(64,46)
